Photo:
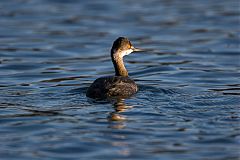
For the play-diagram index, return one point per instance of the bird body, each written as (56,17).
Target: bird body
(112,86)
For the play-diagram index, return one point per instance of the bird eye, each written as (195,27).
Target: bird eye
(129,46)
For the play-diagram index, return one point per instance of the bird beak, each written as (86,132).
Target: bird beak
(137,49)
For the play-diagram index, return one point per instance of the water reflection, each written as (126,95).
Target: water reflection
(119,107)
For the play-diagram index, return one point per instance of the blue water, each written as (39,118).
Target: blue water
(188,103)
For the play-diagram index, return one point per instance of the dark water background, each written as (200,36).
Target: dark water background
(188,103)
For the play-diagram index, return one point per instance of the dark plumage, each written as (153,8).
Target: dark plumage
(115,86)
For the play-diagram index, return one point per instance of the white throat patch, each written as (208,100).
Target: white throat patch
(121,53)
(127,52)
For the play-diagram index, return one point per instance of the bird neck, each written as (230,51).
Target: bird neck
(119,66)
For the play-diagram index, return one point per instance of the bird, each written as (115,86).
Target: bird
(120,85)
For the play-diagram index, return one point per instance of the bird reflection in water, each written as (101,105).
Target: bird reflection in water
(116,116)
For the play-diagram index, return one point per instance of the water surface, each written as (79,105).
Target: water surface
(188,103)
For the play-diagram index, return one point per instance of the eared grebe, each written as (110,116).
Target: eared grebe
(119,85)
